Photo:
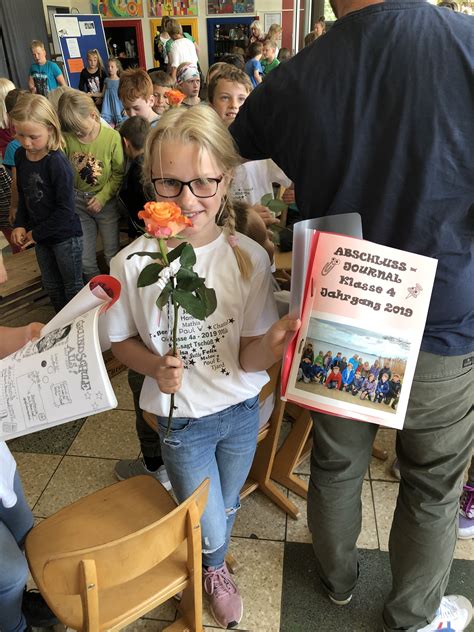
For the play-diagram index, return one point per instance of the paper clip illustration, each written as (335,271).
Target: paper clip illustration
(414,291)
(330,265)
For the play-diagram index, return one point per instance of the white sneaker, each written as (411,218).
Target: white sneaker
(126,468)
(340,602)
(453,615)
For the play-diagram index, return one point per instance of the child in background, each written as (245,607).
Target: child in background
(44,75)
(92,76)
(385,370)
(269,60)
(134,132)
(189,82)
(182,47)
(368,387)
(274,34)
(394,388)
(45,214)
(334,378)
(327,360)
(365,369)
(9,188)
(189,158)
(162,84)
(284,55)
(5,196)
(112,108)
(228,87)
(357,383)
(375,369)
(382,389)
(6,134)
(96,154)
(253,67)
(347,376)
(136,94)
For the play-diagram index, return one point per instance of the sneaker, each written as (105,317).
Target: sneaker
(224,598)
(126,468)
(36,610)
(306,380)
(395,469)
(454,615)
(466,513)
(340,602)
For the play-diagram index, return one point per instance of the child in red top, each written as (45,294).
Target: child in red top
(334,379)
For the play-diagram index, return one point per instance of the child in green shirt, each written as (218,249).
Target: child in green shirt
(269,60)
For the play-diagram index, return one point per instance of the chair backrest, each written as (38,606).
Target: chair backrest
(121,560)
(271,386)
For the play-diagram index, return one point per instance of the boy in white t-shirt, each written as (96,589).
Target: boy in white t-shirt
(182,50)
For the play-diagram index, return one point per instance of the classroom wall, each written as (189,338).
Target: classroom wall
(261,6)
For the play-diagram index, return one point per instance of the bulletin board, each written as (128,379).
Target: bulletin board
(77,34)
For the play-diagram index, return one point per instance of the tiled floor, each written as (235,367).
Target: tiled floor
(276,572)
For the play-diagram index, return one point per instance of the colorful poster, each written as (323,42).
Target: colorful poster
(118,8)
(230,6)
(175,8)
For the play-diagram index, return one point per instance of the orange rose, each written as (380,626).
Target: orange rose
(163,219)
(174,97)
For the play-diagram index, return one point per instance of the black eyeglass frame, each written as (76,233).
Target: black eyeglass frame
(189,185)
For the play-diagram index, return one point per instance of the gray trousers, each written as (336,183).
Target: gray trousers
(149,439)
(434,449)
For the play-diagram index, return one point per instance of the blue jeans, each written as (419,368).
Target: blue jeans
(107,223)
(61,270)
(220,447)
(14,525)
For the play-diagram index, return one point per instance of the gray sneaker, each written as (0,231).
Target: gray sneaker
(126,468)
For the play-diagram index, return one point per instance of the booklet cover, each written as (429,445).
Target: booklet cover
(363,315)
(61,376)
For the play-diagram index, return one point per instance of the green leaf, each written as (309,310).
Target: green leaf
(191,284)
(208,296)
(162,300)
(152,255)
(188,256)
(149,275)
(176,252)
(266,199)
(277,206)
(190,303)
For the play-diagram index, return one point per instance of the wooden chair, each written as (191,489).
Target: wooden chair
(111,557)
(259,476)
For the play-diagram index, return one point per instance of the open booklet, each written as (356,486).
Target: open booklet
(60,376)
(363,309)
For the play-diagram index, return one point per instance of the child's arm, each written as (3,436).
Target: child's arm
(3,271)
(261,352)
(166,370)
(14,338)
(31,84)
(257,76)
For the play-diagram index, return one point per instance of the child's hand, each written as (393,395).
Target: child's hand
(169,373)
(268,218)
(28,241)
(276,335)
(94,206)
(18,236)
(33,331)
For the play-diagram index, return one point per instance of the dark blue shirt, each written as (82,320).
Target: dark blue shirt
(376,117)
(46,197)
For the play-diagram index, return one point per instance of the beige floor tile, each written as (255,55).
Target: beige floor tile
(165,612)
(146,625)
(35,471)
(380,470)
(385,498)
(464,550)
(297,530)
(75,477)
(260,517)
(122,391)
(259,578)
(108,435)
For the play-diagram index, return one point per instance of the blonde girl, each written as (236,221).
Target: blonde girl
(96,154)
(5,130)
(45,214)
(113,111)
(256,32)
(189,159)
(93,76)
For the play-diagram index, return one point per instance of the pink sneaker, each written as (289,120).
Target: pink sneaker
(466,513)
(224,598)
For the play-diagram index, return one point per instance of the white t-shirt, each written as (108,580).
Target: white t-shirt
(182,50)
(213,379)
(253,180)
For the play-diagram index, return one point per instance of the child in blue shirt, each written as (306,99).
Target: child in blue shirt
(44,75)
(382,389)
(253,67)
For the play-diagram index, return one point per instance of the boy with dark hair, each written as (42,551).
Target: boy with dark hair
(253,67)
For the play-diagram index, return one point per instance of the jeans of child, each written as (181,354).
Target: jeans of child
(107,223)
(15,523)
(220,447)
(433,450)
(61,270)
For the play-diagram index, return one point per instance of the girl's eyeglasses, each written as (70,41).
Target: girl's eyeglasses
(199,187)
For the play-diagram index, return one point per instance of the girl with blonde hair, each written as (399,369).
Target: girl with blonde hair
(93,76)
(96,154)
(256,32)
(45,214)
(189,159)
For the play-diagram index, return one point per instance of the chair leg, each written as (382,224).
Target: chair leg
(290,454)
